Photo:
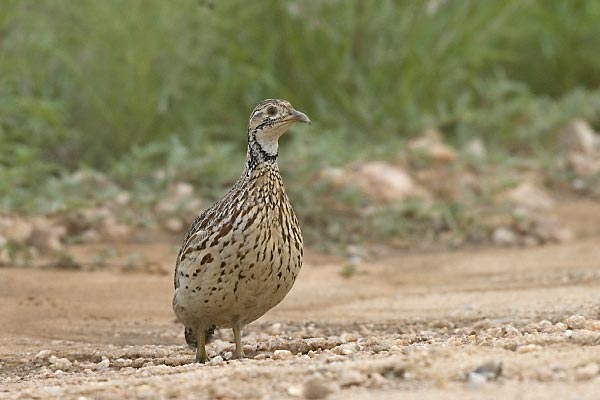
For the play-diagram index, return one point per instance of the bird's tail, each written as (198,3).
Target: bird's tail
(192,340)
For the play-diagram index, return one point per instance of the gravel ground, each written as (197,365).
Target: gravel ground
(486,323)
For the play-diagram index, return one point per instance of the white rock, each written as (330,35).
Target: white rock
(551,229)
(504,237)
(475,380)
(475,148)
(102,365)
(344,349)
(15,229)
(275,329)
(42,355)
(584,165)
(295,391)
(560,327)
(217,360)
(282,355)
(385,182)
(530,196)
(60,363)
(576,322)
(579,136)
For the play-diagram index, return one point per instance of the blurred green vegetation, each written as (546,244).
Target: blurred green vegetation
(130,87)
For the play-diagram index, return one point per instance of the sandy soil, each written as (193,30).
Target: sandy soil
(480,323)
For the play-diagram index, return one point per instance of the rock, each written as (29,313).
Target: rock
(217,360)
(491,370)
(47,235)
(530,196)
(349,377)
(275,329)
(344,349)
(528,348)
(560,327)
(576,322)
(432,146)
(385,182)
(42,355)
(294,391)
(60,363)
(579,136)
(475,148)
(583,165)
(316,388)
(475,380)
(505,237)
(103,365)
(551,229)
(15,229)
(378,180)
(180,200)
(173,224)
(122,198)
(511,331)
(348,337)
(282,355)
(587,372)
(592,325)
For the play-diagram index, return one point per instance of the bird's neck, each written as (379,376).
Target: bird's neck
(260,154)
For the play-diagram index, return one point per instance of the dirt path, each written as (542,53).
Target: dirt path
(413,325)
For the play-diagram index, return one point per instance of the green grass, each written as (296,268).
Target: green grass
(133,87)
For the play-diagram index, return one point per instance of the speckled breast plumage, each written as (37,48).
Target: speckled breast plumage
(241,256)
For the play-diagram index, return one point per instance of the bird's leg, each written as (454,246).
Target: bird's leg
(201,351)
(237,333)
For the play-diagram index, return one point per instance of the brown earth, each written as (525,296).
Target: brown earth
(410,325)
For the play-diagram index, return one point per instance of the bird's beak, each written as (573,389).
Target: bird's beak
(298,116)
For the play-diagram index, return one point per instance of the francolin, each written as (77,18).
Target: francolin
(241,256)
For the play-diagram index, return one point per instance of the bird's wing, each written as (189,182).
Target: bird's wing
(195,234)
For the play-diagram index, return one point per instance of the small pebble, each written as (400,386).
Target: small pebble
(491,369)
(42,355)
(282,355)
(454,341)
(295,391)
(592,325)
(475,380)
(104,364)
(560,327)
(511,331)
(528,348)
(576,322)
(217,360)
(60,363)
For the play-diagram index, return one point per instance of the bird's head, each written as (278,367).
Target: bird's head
(270,119)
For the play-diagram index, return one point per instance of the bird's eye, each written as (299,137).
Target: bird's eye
(272,111)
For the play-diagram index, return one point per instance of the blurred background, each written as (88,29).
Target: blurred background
(436,123)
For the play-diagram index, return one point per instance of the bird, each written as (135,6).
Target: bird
(241,256)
